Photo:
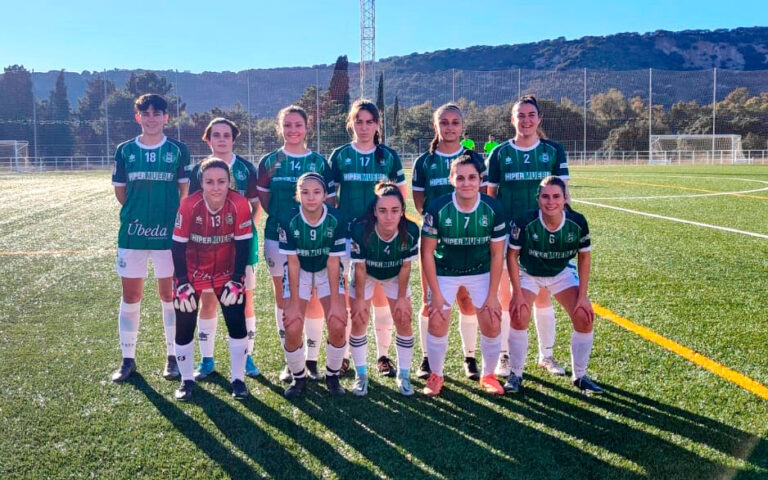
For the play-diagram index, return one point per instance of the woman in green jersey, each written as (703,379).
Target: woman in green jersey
(313,239)
(462,245)
(357,167)
(542,243)
(383,245)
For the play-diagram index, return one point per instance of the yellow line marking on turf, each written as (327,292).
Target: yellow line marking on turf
(678,187)
(721,370)
(54,252)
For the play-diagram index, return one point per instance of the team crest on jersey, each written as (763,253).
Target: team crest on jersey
(131,158)
(570,238)
(240,175)
(178,220)
(551,239)
(230,220)
(448,222)
(544,157)
(198,220)
(311,167)
(484,221)
(169,157)
(329,233)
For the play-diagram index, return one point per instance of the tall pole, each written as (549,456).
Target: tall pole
(248,86)
(106,113)
(317,107)
(650,114)
(585,115)
(367,47)
(453,84)
(178,108)
(34,122)
(714,107)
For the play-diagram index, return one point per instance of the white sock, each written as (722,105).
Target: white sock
(581,348)
(333,358)
(423,330)
(383,323)
(238,350)
(250,327)
(295,361)
(358,347)
(404,347)
(544,318)
(468,331)
(436,348)
(185,358)
(505,319)
(169,326)
(518,349)
(313,333)
(206,335)
(128,327)
(279,323)
(490,348)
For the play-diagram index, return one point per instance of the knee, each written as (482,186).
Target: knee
(337,330)
(581,322)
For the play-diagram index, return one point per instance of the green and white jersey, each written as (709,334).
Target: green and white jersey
(242,179)
(518,171)
(383,257)
(464,238)
(431,171)
(356,173)
(313,243)
(544,252)
(150,175)
(277,174)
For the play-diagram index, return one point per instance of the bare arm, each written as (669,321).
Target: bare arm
(183,190)
(584,266)
(429,268)
(493,190)
(120,194)
(418,201)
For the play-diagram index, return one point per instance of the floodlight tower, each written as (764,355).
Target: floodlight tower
(367,47)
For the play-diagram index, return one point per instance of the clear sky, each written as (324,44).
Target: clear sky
(236,35)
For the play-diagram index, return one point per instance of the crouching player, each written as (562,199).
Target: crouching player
(383,245)
(211,243)
(313,240)
(541,244)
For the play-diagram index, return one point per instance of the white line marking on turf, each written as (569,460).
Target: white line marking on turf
(673,219)
(691,195)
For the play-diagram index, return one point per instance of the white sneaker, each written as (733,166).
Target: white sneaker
(502,368)
(550,364)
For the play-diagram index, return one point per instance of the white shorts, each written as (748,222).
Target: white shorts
(250,278)
(308,282)
(391,287)
(133,263)
(276,261)
(564,280)
(476,285)
(345,261)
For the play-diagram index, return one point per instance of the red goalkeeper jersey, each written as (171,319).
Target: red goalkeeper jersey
(210,237)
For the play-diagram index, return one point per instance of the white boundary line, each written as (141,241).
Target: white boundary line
(672,219)
(692,195)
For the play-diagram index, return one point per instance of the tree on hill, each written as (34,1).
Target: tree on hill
(16,103)
(90,130)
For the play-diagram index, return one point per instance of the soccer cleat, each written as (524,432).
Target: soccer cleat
(184,392)
(334,387)
(171,369)
(296,388)
(404,385)
(239,390)
(385,366)
(502,368)
(360,388)
(286,375)
(205,368)
(312,372)
(344,367)
(127,367)
(470,368)
(424,370)
(251,370)
(434,385)
(588,386)
(491,385)
(514,384)
(550,364)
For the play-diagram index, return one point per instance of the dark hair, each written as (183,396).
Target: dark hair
(292,109)
(551,180)
(370,107)
(153,100)
(212,162)
(467,158)
(385,188)
(310,176)
(436,119)
(218,120)
(530,100)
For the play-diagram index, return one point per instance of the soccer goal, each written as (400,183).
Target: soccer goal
(14,155)
(693,149)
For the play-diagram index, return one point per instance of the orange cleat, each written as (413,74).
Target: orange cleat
(434,385)
(491,385)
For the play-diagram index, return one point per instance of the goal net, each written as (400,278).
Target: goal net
(14,155)
(692,149)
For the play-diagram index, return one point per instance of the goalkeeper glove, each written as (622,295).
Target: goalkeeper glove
(232,293)
(185,298)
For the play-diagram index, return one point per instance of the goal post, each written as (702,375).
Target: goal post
(692,149)
(14,155)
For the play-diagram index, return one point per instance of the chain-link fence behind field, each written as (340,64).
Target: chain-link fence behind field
(599,116)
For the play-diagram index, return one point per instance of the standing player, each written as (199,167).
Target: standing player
(211,245)
(430,181)
(313,241)
(357,167)
(220,135)
(515,169)
(150,178)
(278,172)
(383,245)
(541,244)
(462,244)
